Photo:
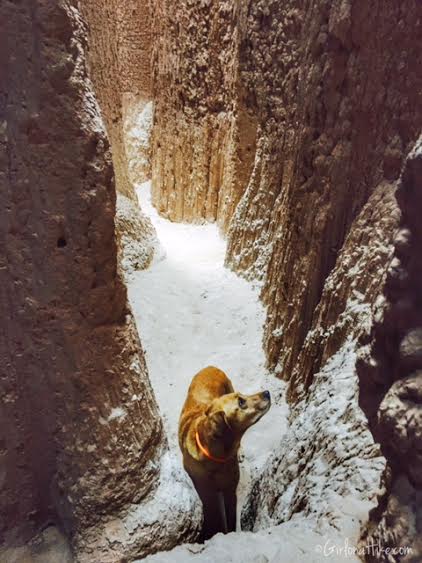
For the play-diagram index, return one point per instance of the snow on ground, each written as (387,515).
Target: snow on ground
(280,544)
(192,312)
(319,466)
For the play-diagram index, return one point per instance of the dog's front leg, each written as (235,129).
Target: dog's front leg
(212,502)
(230,502)
(222,505)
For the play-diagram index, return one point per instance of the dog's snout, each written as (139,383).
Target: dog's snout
(266,395)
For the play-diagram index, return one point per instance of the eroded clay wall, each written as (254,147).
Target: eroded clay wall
(80,431)
(120,49)
(319,217)
(339,128)
(390,371)
(203,137)
(318,223)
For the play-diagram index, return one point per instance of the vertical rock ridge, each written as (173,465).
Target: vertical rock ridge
(203,138)
(119,56)
(351,286)
(390,374)
(342,127)
(81,438)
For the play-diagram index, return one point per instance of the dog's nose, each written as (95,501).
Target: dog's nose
(266,395)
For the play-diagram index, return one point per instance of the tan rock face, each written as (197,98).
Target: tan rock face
(51,546)
(119,36)
(203,137)
(391,380)
(81,437)
(336,110)
(319,218)
(338,128)
(351,288)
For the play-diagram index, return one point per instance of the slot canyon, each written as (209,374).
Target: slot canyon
(210,182)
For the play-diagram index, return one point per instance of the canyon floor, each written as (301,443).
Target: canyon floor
(193,312)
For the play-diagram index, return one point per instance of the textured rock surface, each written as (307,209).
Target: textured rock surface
(327,470)
(203,137)
(336,125)
(336,109)
(353,287)
(170,514)
(119,55)
(320,200)
(391,379)
(81,437)
(50,546)
(327,450)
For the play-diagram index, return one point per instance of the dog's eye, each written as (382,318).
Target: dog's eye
(242,402)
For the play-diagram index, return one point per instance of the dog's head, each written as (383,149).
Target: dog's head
(238,411)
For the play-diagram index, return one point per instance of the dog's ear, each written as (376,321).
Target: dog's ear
(217,421)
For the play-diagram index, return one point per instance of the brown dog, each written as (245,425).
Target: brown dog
(212,423)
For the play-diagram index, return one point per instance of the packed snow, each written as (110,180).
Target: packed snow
(192,312)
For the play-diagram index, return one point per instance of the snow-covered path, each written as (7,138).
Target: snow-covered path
(192,312)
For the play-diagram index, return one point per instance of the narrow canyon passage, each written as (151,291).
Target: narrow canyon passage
(193,312)
(188,184)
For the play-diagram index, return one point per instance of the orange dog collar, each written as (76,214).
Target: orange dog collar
(206,452)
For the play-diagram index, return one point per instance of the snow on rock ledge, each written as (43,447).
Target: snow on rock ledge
(136,236)
(327,469)
(148,524)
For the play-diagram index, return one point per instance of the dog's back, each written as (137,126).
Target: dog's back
(207,385)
